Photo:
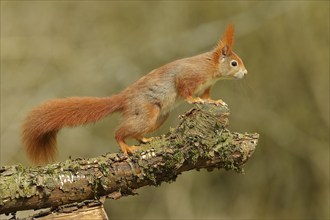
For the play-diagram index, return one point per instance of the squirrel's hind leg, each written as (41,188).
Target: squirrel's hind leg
(136,124)
(126,149)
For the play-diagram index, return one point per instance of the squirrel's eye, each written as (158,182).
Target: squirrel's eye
(233,63)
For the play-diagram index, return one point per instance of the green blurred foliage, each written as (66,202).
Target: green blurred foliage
(96,48)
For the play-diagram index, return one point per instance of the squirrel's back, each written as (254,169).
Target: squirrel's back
(160,85)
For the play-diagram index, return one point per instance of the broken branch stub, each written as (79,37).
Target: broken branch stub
(201,140)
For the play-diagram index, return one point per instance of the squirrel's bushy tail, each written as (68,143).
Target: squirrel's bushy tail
(43,123)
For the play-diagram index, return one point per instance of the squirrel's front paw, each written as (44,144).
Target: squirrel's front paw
(197,100)
(216,102)
(219,102)
(144,140)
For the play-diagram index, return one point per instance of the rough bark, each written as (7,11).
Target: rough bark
(201,140)
(83,210)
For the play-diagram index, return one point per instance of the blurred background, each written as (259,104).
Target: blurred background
(54,49)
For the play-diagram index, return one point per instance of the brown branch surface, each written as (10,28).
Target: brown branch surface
(201,140)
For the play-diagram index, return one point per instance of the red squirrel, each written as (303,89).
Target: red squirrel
(144,105)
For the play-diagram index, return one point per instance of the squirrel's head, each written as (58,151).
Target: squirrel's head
(229,64)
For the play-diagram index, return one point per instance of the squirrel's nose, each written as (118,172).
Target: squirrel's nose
(245,72)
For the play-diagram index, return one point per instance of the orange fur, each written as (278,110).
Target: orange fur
(226,43)
(206,94)
(145,105)
(229,36)
(42,124)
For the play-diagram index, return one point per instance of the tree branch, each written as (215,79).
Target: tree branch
(201,140)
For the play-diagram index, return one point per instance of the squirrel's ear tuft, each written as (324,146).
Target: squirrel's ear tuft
(229,36)
(225,45)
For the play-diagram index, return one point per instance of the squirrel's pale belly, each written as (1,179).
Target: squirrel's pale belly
(201,88)
(169,101)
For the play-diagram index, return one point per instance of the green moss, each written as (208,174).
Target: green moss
(20,169)
(104,168)
(177,160)
(194,155)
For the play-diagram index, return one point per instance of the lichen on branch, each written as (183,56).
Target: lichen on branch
(201,140)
